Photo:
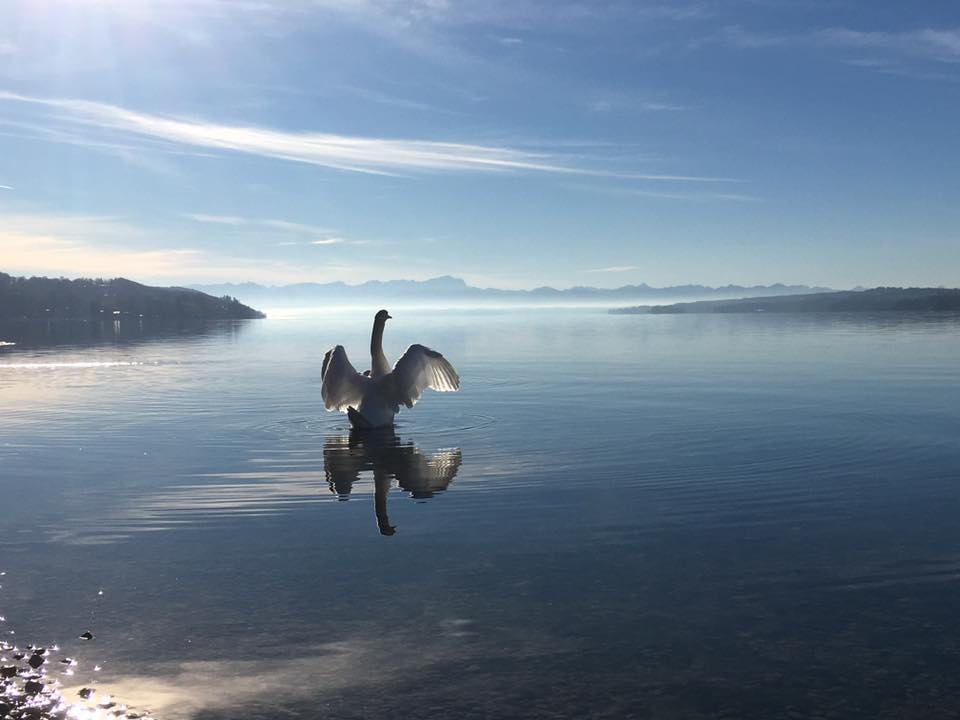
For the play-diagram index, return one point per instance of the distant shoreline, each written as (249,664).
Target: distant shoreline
(881,299)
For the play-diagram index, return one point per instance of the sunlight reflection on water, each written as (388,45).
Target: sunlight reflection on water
(69,365)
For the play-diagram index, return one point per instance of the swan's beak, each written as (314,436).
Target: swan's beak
(389,316)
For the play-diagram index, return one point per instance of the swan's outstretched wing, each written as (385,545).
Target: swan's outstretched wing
(342,384)
(421,368)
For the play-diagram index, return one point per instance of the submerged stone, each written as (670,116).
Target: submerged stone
(33,687)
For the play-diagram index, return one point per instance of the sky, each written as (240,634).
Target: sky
(513,143)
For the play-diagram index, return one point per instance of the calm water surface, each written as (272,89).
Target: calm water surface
(617,516)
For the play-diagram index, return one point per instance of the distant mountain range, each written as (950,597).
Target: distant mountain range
(452,289)
(881,299)
(58,298)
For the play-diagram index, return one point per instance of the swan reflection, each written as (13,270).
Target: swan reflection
(388,458)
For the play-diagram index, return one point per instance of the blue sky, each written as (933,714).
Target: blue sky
(512,143)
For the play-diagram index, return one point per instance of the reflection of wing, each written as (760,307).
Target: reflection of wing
(342,384)
(421,475)
(421,368)
(383,455)
(342,464)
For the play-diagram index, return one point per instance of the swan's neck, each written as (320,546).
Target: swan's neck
(379,366)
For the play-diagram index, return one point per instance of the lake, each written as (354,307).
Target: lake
(651,516)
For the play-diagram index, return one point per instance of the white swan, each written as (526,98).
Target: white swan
(372,399)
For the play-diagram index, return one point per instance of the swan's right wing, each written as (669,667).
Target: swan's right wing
(342,384)
(421,368)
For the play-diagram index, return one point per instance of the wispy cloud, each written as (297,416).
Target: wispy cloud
(614,269)
(512,13)
(6,187)
(932,44)
(87,246)
(694,196)
(606,103)
(216,219)
(341,152)
(48,251)
(378,156)
(655,106)
(7,47)
(671,194)
(309,234)
(296,227)
(383,98)
(146,153)
(928,43)
(739,37)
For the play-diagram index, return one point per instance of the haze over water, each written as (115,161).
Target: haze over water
(617,516)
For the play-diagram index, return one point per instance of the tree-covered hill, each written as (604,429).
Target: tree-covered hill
(40,297)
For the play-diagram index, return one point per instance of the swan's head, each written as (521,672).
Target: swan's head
(382,316)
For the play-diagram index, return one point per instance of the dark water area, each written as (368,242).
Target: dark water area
(36,334)
(617,516)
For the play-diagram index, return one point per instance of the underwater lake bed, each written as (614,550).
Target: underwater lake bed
(616,516)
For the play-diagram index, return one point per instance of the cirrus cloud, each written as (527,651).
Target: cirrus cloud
(377,156)
(614,269)
(380,156)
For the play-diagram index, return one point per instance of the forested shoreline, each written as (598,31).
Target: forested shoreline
(84,298)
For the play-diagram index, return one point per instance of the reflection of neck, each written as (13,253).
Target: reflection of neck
(380,366)
(381,488)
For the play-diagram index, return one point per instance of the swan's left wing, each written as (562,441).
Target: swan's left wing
(421,368)
(342,384)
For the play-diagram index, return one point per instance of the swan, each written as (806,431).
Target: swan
(371,400)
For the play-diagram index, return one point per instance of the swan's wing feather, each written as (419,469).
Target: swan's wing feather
(421,368)
(326,363)
(342,384)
